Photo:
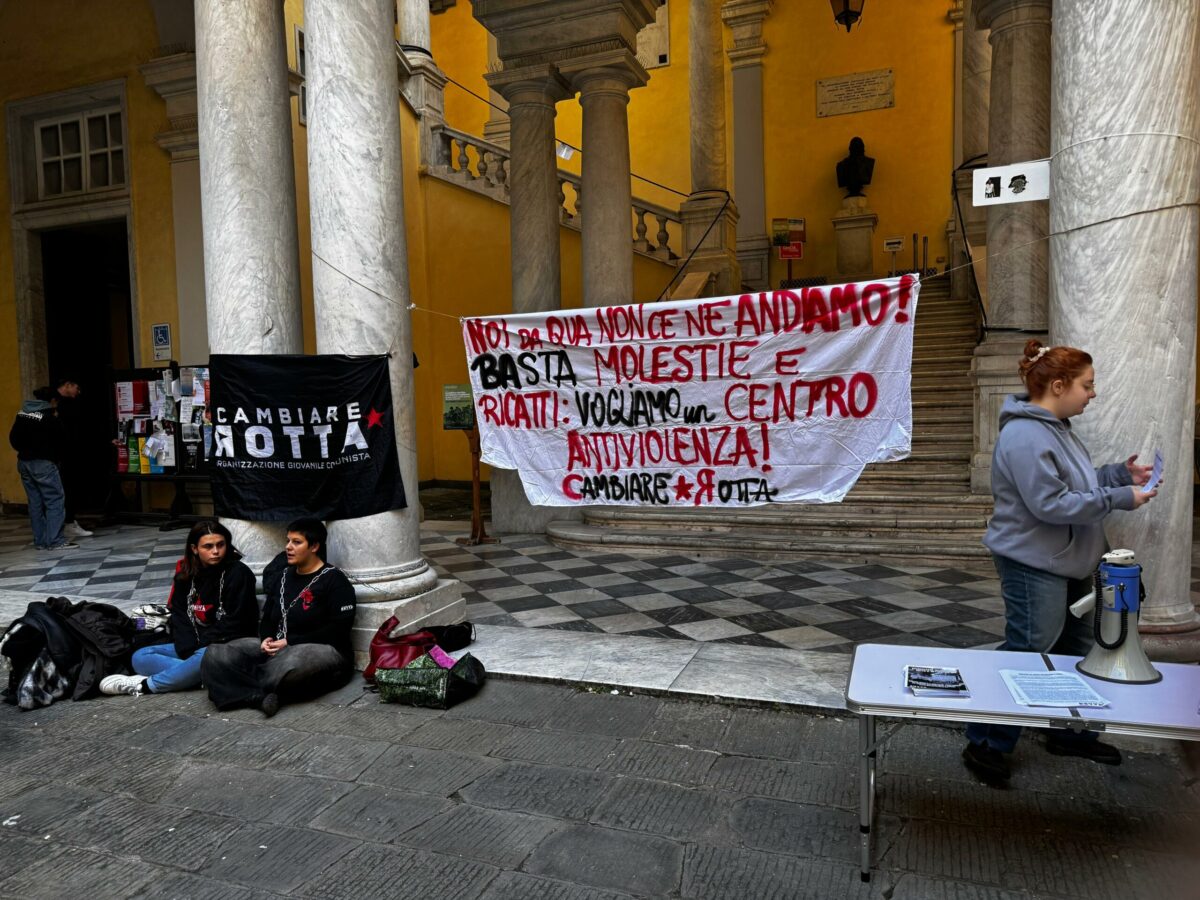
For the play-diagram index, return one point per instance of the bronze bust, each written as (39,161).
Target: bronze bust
(854,172)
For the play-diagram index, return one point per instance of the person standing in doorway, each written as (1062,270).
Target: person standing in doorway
(68,414)
(38,437)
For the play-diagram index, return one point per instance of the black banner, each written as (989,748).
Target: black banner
(303,436)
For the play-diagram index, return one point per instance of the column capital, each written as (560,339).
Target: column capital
(1000,14)
(745,19)
(536,31)
(173,77)
(540,84)
(613,70)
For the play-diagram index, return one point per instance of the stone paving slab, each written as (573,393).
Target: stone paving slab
(541,791)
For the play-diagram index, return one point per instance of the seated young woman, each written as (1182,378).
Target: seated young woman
(212,601)
(303,645)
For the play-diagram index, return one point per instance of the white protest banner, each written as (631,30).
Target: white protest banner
(730,401)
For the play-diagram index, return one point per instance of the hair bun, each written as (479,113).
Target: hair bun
(1032,346)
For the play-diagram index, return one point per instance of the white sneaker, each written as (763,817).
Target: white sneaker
(75,530)
(123,684)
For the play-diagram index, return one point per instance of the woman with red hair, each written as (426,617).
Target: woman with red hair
(1046,533)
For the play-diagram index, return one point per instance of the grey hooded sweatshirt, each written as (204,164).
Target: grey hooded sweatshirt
(1050,499)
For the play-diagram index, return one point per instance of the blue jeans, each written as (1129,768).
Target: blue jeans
(166,670)
(44,490)
(1037,619)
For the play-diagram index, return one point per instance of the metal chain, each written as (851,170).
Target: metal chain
(285,608)
(193,595)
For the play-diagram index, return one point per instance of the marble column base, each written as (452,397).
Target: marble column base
(512,513)
(716,251)
(754,256)
(258,542)
(1175,646)
(854,225)
(993,376)
(441,605)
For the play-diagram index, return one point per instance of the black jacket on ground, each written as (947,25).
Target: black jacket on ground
(235,616)
(325,616)
(37,433)
(86,642)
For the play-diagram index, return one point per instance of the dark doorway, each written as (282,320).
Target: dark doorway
(89,330)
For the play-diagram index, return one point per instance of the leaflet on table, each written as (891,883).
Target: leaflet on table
(935,681)
(1058,689)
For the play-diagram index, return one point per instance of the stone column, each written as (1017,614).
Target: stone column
(497,128)
(533,185)
(1123,263)
(412,25)
(709,216)
(1017,252)
(534,205)
(248,198)
(973,64)
(360,273)
(608,197)
(745,19)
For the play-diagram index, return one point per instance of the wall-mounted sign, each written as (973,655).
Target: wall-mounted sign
(1011,184)
(458,407)
(788,231)
(161,334)
(856,92)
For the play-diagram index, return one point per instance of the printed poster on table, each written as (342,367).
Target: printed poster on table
(303,436)
(781,396)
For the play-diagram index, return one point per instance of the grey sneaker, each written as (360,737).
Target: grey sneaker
(123,684)
(64,545)
(75,530)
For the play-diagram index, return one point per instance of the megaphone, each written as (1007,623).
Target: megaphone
(1117,654)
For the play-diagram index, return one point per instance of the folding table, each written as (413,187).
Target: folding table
(1168,709)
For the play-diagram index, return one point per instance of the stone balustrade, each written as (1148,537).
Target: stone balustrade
(479,165)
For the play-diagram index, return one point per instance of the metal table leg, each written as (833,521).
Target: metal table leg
(866,789)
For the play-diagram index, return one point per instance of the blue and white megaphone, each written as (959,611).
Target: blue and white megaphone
(1117,654)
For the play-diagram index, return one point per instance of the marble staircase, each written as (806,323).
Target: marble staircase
(917,512)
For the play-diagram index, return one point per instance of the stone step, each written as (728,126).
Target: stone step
(914,550)
(820,517)
(878,497)
(951,431)
(895,476)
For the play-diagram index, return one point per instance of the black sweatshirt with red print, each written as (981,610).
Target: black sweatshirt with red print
(219,613)
(319,610)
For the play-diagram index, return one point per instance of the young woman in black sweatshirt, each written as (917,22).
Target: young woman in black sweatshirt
(211,602)
(303,647)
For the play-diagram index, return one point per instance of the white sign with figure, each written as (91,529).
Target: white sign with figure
(1011,184)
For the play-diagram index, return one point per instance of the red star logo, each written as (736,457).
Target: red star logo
(683,489)
(374,418)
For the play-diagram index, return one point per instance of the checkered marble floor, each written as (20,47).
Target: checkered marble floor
(528,582)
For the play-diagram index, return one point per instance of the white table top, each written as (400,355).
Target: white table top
(1168,709)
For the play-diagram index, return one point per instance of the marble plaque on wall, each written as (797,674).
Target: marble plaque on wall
(855,92)
(654,41)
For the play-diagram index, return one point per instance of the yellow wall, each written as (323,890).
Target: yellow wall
(54,45)
(911,143)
